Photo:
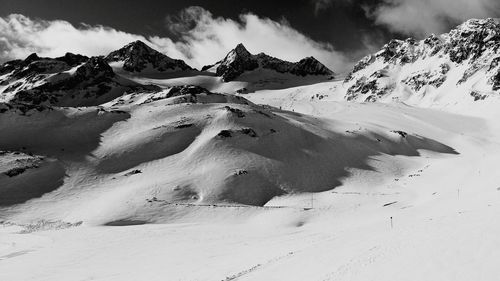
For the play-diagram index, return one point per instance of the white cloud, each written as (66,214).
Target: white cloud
(20,36)
(422,17)
(204,39)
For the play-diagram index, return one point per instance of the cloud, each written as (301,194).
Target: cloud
(20,36)
(419,17)
(203,38)
(321,5)
(423,17)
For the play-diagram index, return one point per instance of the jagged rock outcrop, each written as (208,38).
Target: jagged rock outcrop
(463,60)
(70,80)
(138,57)
(236,63)
(240,60)
(34,65)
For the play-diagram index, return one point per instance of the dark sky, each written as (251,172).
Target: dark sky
(343,23)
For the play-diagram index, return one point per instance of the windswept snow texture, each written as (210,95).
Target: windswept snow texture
(193,146)
(179,174)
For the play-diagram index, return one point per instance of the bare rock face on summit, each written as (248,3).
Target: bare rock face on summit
(137,57)
(235,63)
(70,80)
(240,60)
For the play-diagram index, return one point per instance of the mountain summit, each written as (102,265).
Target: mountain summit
(70,80)
(465,60)
(235,63)
(240,60)
(137,57)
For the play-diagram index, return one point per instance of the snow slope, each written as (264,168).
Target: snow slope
(443,208)
(190,146)
(282,183)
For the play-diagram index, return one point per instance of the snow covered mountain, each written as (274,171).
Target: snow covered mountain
(170,169)
(239,61)
(199,147)
(459,66)
(139,57)
(71,80)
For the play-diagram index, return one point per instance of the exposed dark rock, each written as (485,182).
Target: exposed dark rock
(137,56)
(240,60)
(235,111)
(236,63)
(471,39)
(15,172)
(474,44)
(224,134)
(229,133)
(242,91)
(401,133)
(417,81)
(249,131)
(187,90)
(477,96)
(182,126)
(495,81)
(133,172)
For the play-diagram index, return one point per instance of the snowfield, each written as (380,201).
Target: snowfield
(198,206)
(271,176)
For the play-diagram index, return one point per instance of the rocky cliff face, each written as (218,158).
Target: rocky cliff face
(235,63)
(138,57)
(34,65)
(71,80)
(463,61)
(239,61)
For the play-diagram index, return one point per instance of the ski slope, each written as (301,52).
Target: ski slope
(325,215)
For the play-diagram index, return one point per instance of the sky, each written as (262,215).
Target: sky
(337,32)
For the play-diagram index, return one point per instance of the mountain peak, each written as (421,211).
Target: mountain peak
(486,28)
(238,51)
(478,23)
(236,62)
(310,65)
(138,45)
(135,48)
(240,60)
(241,48)
(32,57)
(460,58)
(137,56)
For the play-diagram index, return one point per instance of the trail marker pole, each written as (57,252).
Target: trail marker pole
(312,200)
(391,223)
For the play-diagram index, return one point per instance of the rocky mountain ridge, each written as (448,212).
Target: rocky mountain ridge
(464,60)
(71,80)
(240,60)
(137,56)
